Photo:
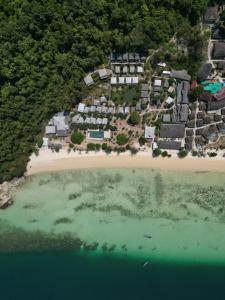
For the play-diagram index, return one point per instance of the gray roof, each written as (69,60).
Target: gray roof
(166,84)
(169,145)
(219,50)
(144,94)
(88,80)
(132,69)
(166,118)
(183,110)
(215,105)
(102,73)
(125,69)
(211,14)
(50,129)
(92,108)
(138,106)
(157,88)
(125,56)
(204,71)
(172,130)
(185,99)
(131,56)
(144,87)
(149,132)
(137,56)
(182,75)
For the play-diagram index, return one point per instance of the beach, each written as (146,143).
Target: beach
(48,161)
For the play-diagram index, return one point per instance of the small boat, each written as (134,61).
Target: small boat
(145,264)
(147,236)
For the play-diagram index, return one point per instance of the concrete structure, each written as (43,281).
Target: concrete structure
(102,73)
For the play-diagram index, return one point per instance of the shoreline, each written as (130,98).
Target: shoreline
(47,161)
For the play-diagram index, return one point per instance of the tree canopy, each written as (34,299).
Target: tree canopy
(46,47)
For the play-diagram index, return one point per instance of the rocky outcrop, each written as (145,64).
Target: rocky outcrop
(6,190)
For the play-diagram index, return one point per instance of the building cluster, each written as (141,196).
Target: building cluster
(128,80)
(102,73)
(58,126)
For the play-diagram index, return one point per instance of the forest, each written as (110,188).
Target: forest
(46,47)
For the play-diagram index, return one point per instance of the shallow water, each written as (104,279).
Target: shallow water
(110,211)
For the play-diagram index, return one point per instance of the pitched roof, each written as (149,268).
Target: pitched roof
(169,145)
(182,75)
(219,50)
(172,130)
(211,14)
(149,132)
(204,71)
(220,95)
(88,80)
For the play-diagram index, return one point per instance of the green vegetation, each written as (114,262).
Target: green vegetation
(212,154)
(126,95)
(93,147)
(156,152)
(134,118)
(47,47)
(77,137)
(193,96)
(142,140)
(182,153)
(122,139)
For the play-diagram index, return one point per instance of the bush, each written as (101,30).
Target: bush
(104,146)
(122,139)
(182,153)
(212,154)
(156,152)
(40,143)
(91,147)
(165,154)
(194,153)
(77,137)
(134,118)
(142,140)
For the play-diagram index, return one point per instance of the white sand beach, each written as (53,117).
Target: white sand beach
(48,161)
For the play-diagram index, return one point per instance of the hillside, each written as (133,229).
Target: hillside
(46,47)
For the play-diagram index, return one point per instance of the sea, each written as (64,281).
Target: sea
(115,234)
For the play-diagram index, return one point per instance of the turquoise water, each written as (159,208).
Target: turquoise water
(81,234)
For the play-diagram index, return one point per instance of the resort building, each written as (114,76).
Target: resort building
(102,73)
(172,131)
(88,80)
(149,132)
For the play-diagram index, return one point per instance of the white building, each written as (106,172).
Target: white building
(149,132)
(81,107)
(158,82)
(113,80)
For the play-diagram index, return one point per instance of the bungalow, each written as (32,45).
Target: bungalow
(104,110)
(125,69)
(131,57)
(181,75)
(132,69)
(120,110)
(99,109)
(211,15)
(121,80)
(144,87)
(125,57)
(113,80)
(81,107)
(93,120)
(172,131)
(102,73)
(169,100)
(158,82)
(86,110)
(128,80)
(88,80)
(136,57)
(92,108)
(135,80)
(204,72)
(75,119)
(219,50)
(117,69)
(103,99)
(169,145)
(140,69)
(50,130)
(138,106)
(166,118)
(127,110)
(144,94)
(149,132)
(96,102)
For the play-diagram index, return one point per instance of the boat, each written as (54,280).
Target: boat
(145,264)
(147,236)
